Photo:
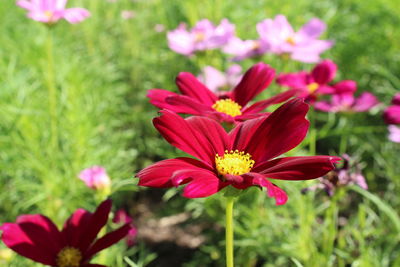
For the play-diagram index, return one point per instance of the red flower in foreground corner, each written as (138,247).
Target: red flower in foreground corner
(197,99)
(240,158)
(37,238)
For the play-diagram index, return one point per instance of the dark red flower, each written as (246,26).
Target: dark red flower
(241,158)
(36,237)
(197,99)
(391,115)
(310,85)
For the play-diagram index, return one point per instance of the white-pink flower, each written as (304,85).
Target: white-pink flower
(51,11)
(302,45)
(242,49)
(95,177)
(203,36)
(216,80)
(394,133)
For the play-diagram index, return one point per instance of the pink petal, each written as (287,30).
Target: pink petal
(294,80)
(187,105)
(324,72)
(160,173)
(272,190)
(76,15)
(158,98)
(203,184)
(345,87)
(263,104)
(365,102)
(187,136)
(324,106)
(313,29)
(190,86)
(297,168)
(254,81)
(181,41)
(396,99)
(391,115)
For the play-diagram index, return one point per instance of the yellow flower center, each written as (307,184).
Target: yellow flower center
(69,257)
(234,162)
(48,14)
(228,106)
(312,87)
(290,40)
(199,36)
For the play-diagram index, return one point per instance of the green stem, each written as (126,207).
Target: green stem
(229,231)
(51,89)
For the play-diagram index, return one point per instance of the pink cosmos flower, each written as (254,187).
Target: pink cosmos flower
(310,85)
(51,11)
(95,177)
(348,174)
(197,99)
(391,114)
(37,238)
(303,45)
(216,80)
(394,133)
(242,158)
(348,103)
(242,49)
(122,217)
(203,36)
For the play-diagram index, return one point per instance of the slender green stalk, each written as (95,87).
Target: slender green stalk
(51,89)
(229,231)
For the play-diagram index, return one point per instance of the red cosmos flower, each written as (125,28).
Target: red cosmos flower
(242,158)
(310,85)
(37,238)
(197,99)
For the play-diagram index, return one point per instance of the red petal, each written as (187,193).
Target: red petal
(34,237)
(107,240)
(266,138)
(261,105)
(199,136)
(203,184)
(75,226)
(297,168)
(324,72)
(272,190)
(94,225)
(254,81)
(190,86)
(187,105)
(158,98)
(160,173)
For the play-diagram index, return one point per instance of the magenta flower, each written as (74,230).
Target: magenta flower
(303,45)
(310,85)
(241,158)
(122,217)
(36,237)
(196,99)
(95,177)
(394,133)
(391,114)
(216,80)
(203,36)
(51,11)
(347,103)
(242,49)
(348,174)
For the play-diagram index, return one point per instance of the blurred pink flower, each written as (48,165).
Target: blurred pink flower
(121,217)
(51,11)
(348,174)
(310,85)
(302,45)
(348,103)
(128,14)
(394,133)
(242,49)
(396,99)
(203,36)
(95,177)
(216,80)
(391,115)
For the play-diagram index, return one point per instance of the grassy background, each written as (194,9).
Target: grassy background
(74,95)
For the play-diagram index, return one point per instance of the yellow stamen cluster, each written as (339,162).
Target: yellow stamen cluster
(199,36)
(234,162)
(290,40)
(69,257)
(48,14)
(228,106)
(312,87)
